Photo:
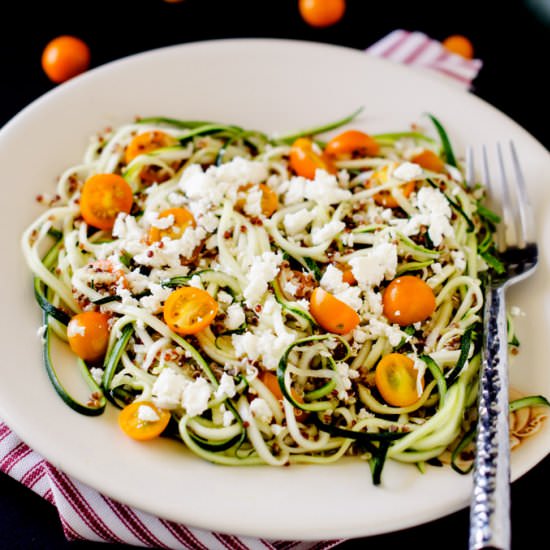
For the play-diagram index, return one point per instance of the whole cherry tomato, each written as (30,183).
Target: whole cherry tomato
(65,57)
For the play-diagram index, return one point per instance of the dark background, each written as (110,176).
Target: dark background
(510,37)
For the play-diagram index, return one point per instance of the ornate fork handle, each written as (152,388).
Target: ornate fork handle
(490,506)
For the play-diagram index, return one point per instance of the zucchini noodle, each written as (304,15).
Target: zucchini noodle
(267,382)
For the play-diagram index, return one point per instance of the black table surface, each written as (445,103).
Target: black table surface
(512,38)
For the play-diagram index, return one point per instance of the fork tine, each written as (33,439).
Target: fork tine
(527,233)
(470,177)
(510,231)
(486,174)
(500,236)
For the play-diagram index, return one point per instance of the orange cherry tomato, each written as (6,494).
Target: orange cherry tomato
(269,201)
(189,310)
(304,161)
(182,220)
(271,381)
(142,430)
(103,197)
(347,274)
(352,142)
(460,45)
(332,314)
(65,57)
(322,13)
(146,142)
(395,379)
(407,300)
(151,173)
(429,161)
(385,198)
(348,277)
(88,335)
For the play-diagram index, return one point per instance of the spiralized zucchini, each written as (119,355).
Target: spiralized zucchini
(265,383)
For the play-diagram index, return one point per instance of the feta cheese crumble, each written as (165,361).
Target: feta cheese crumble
(296,222)
(235,317)
(97,374)
(459,260)
(377,328)
(224,297)
(263,344)
(168,389)
(146,413)
(324,190)
(261,410)
(163,222)
(436,214)
(378,263)
(75,329)
(221,182)
(408,171)
(195,396)
(343,381)
(253,203)
(226,387)
(290,288)
(263,270)
(327,232)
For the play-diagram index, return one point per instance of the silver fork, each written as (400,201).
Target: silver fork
(490,502)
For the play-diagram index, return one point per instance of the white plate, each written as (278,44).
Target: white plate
(273,86)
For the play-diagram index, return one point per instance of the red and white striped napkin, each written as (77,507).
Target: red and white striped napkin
(419,50)
(84,513)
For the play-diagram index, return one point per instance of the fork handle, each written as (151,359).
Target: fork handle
(490,504)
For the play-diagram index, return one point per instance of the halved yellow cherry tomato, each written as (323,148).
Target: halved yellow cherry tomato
(407,300)
(146,142)
(304,161)
(429,160)
(332,314)
(103,197)
(272,383)
(182,220)
(88,335)
(142,430)
(352,142)
(189,310)
(385,198)
(396,380)
(269,201)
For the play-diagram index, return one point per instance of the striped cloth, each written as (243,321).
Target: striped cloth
(85,514)
(419,50)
